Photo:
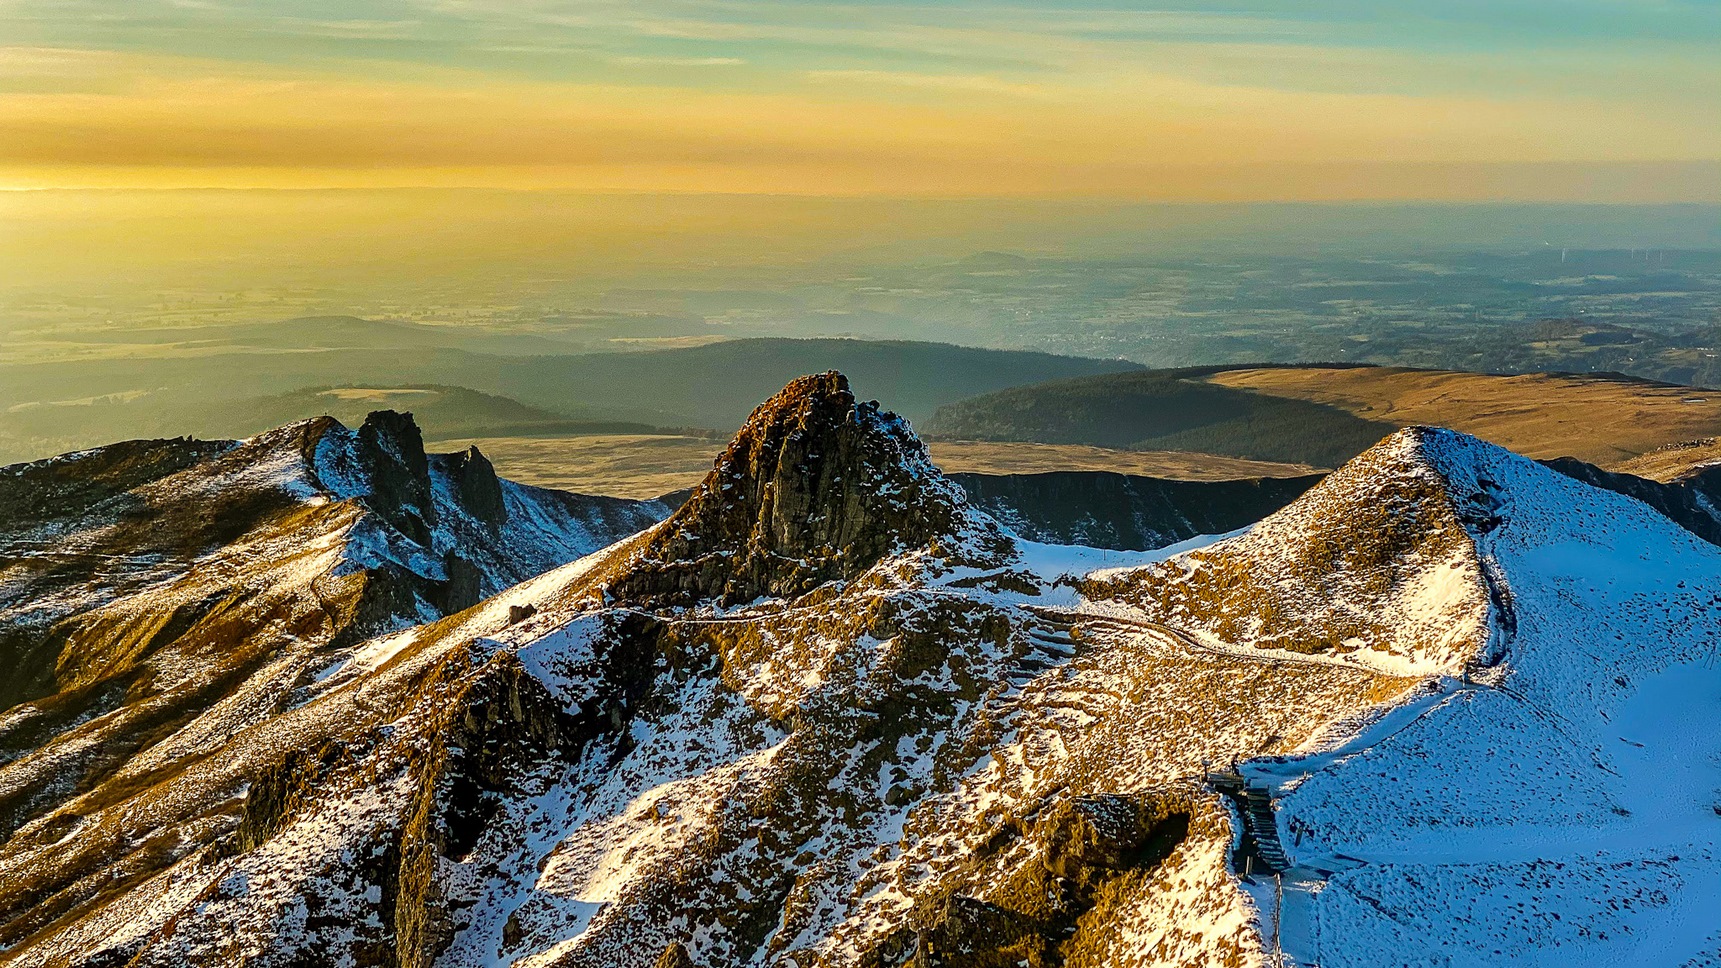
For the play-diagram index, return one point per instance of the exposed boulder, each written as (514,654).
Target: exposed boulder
(675,956)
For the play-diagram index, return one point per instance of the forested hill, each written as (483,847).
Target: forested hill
(1163,410)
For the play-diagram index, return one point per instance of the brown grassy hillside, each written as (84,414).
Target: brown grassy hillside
(1602,419)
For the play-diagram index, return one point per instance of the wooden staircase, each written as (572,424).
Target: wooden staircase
(1261,848)
(1264,828)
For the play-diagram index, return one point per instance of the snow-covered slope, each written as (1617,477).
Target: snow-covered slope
(1565,808)
(159,598)
(1555,797)
(1466,698)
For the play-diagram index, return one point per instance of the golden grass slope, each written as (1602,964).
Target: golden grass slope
(1602,419)
(621,465)
(1675,462)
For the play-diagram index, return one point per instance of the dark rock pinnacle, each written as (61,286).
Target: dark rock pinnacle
(816,487)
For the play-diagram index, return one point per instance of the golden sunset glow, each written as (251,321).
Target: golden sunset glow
(808,99)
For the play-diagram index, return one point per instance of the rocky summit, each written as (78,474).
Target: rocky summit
(1447,707)
(815,487)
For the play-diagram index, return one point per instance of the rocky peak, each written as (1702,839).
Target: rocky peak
(1377,565)
(475,485)
(383,463)
(815,487)
(391,450)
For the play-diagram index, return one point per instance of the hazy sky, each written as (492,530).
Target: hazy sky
(1603,100)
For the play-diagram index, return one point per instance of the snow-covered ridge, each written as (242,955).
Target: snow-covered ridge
(1558,804)
(1378,566)
(206,592)
(1452,668)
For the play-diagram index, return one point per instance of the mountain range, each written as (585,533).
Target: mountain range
(242,380)
(318,697)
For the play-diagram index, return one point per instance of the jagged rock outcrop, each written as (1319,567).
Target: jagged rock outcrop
(387,454)
(815,487)
(1106,510)
(194,592)
(475,482)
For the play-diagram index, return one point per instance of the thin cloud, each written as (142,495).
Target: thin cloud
(964,98)
(678,61)
(971,83)
(365,29)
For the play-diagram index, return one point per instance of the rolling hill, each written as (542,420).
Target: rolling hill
(441,412)
(1676,462)
(141,391)
(1603,418)
(647,465)
(718,385)
(1162,410)
(1323,415)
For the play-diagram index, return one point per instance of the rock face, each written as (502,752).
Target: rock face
(816,487)
(1125,512)
(391,451)
(474,480)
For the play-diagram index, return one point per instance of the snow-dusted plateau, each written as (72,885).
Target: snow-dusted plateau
(319,698)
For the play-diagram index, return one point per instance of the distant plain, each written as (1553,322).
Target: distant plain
(649,465)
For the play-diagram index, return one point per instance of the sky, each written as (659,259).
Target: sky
(1253,100)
